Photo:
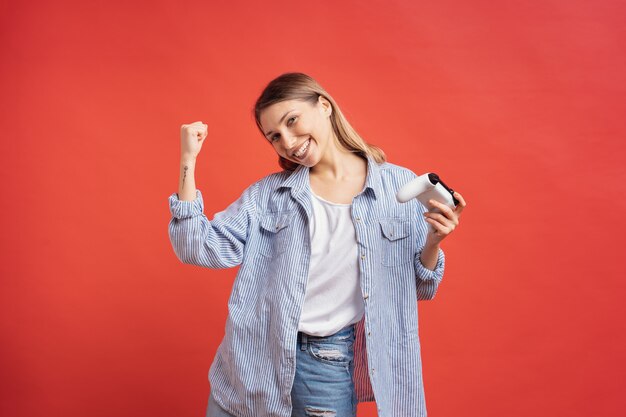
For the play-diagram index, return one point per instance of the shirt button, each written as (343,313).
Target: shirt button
(358,219)
(362,256)
(369,333)
(366,296)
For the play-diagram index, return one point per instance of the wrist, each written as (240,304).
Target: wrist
(431,243)
(187,160)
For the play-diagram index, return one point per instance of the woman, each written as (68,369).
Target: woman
(323,311)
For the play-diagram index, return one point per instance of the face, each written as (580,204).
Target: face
(298,130)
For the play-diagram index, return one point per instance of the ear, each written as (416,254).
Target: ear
(327,108)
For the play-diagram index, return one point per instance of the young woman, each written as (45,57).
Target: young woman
(323,310)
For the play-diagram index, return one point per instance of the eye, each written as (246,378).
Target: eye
(289,123)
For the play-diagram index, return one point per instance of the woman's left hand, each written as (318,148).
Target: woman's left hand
(444,223)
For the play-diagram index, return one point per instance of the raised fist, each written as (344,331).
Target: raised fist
(191,138)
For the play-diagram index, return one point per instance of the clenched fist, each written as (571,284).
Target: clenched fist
(191,138)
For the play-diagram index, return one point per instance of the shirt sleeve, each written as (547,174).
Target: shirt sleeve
(216,243)
(428,280)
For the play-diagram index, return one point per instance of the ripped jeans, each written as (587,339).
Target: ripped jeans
(323,385)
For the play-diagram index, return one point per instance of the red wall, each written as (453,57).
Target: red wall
(520,106)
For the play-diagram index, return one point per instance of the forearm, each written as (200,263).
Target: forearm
(187,182)
(429,255)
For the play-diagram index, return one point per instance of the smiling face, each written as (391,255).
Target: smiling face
(298,130)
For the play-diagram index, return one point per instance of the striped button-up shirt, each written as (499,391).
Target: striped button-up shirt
(266,232)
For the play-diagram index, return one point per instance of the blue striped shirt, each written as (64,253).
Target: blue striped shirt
(266,232)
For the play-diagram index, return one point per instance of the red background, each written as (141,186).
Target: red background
(517,105)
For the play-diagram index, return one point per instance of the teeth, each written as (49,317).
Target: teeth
(303,149)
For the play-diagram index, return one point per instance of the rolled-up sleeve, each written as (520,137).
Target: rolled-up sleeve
(428,280)
(216,243)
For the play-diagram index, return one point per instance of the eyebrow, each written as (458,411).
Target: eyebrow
(280,121)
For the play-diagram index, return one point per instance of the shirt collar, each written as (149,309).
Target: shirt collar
(298,181)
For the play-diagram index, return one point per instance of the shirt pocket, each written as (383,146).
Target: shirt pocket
(274,233)
(396,244)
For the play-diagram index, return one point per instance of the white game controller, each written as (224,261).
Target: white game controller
(426,187)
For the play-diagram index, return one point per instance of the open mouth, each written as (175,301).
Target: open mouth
(303,151)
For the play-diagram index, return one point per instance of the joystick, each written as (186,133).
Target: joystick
(426,187)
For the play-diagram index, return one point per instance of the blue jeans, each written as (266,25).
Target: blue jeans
(323,380)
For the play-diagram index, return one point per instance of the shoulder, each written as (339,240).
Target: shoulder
(273,180)
(268,186)
(262,185)
(270,181)
(393,173)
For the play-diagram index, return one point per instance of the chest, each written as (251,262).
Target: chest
(341,192)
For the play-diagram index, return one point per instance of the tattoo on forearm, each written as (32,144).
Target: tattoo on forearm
(185,174)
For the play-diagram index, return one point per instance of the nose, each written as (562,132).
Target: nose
(288,140)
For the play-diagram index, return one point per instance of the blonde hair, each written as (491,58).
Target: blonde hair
(299,86)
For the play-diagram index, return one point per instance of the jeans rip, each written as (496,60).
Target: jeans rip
(338,354)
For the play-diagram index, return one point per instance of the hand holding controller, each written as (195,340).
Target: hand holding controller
(426,187)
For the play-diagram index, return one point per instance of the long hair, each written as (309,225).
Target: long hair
(299,86)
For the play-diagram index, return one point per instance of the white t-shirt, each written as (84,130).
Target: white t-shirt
(333,294)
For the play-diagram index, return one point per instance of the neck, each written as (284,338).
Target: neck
(338,163)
